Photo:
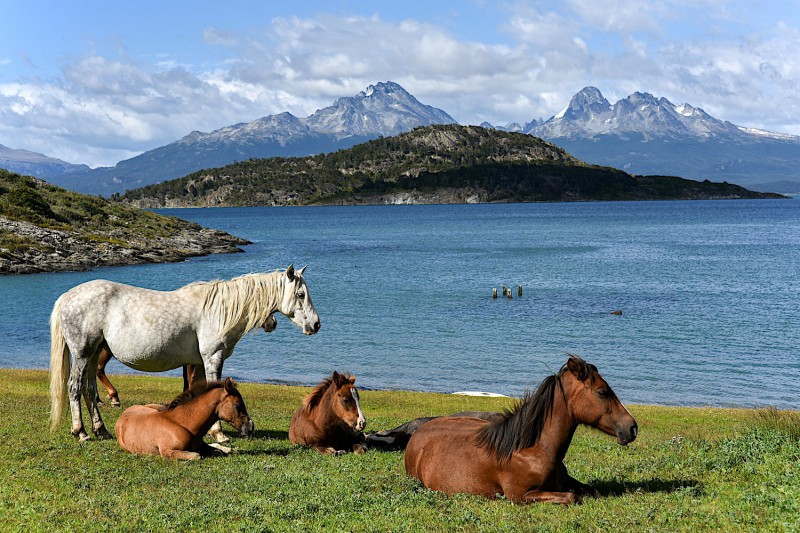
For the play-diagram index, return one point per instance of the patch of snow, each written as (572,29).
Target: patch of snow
(769,134)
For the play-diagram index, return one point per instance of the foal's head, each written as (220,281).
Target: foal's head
(231,409)
(592,401)
(344,403)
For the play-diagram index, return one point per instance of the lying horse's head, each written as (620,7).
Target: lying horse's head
(335,401)
(592,401)
(231,409)
(296,302)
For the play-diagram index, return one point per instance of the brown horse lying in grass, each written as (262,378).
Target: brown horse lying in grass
(330,418)
(176,430)
(520,455)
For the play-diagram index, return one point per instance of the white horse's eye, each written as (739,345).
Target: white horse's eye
(301,295)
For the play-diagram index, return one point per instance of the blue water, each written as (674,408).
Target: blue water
(709,292)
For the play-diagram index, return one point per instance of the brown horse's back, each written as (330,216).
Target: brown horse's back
(143,430)
(443,455)
(129,428)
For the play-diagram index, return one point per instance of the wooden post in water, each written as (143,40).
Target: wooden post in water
(494,293)
(504,290)
(509,293)
(519,290)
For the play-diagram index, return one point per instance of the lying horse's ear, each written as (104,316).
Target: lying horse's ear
(290,272)
(230,385)
(352,379)
(579,368)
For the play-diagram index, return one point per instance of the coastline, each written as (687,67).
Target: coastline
(476,396)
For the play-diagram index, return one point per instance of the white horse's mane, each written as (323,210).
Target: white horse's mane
(250,297)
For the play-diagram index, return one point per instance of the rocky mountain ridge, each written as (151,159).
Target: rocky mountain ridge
(384,109)
(642,134)
(432,164)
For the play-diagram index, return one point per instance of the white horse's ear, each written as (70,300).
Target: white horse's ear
(290,272)
(300,272)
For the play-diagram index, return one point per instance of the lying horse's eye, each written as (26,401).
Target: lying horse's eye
(604,393)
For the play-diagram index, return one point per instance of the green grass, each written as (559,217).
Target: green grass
(691,469)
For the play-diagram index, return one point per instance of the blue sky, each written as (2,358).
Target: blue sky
(97,82)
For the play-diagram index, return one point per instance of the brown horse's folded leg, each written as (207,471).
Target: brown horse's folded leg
(181,454)
(359,448)
(328,450)
(564,498)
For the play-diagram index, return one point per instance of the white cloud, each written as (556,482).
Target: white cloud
(101,110)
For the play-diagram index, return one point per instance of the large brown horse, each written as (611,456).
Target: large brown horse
(330,418)
(520,455)
(176,430)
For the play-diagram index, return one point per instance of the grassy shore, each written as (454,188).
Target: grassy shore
(691,469)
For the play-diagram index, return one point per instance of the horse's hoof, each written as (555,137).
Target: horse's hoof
(81,436)
(115,402)
(224,450)
(103,433)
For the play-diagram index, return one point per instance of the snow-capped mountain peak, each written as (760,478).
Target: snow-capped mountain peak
(589,114)
(382,109)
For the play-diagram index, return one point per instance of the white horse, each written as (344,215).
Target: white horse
(155,331)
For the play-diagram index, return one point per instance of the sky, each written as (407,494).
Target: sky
(98,82)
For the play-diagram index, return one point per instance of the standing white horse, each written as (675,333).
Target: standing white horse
(155,331)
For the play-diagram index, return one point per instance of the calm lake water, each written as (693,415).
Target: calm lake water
(709,291)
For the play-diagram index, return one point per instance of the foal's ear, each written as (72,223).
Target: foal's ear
(290,272)
(230,385)
(352,380)
(579,368)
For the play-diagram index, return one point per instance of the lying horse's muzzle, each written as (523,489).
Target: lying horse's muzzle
(628,435)
(248,428)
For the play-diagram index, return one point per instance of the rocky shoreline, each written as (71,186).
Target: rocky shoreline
(61,251)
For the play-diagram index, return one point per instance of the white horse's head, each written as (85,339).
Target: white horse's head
(296,302)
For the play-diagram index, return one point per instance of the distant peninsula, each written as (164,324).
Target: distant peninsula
(439,164)
(44,228)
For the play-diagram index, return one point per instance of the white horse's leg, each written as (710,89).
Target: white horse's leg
(90,397)
(76,387)
(213,371)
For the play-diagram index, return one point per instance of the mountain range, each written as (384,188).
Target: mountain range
(384,109)
(641,134)
(36,164)
(432,164)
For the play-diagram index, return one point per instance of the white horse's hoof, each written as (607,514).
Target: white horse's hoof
(220,447)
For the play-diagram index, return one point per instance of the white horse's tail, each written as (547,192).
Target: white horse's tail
(59,366)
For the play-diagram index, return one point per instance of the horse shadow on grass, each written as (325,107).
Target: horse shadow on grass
(618,488)
(267,435)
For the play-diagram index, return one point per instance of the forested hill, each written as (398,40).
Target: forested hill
(432,164)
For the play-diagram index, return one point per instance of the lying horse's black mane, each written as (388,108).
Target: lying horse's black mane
(521,426)
(197,390)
